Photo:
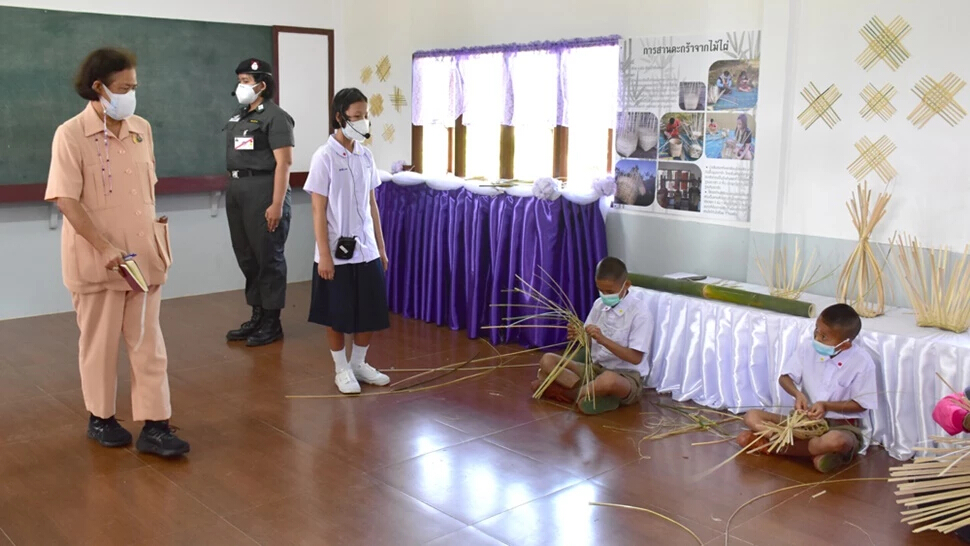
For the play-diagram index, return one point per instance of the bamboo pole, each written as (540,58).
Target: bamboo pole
(724,294)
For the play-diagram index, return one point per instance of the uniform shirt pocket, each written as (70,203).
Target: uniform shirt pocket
(90,270)
(93,191)
(149,179)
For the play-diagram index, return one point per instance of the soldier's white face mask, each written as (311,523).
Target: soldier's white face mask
(246,94)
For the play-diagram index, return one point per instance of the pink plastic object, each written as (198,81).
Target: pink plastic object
(949,414)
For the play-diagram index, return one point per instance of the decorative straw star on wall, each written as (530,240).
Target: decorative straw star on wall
(884,43)
(366,74)
(819,106)
(937,98)
(398,99)
(877,102)
(874,157)
(383,68)
(376,105)
(388,133)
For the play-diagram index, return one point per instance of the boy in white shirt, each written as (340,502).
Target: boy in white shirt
(349,293)
(620,327)
(829,377)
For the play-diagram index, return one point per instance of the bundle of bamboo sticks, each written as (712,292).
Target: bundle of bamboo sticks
(862,273)
(935,489)
(553,315)
(798,425)
(790,283)
(939,295)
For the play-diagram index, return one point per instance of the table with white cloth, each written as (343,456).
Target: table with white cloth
(722,355)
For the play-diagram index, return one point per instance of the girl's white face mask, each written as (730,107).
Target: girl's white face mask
(357,130)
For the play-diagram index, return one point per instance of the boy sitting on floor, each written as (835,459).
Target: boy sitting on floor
(838,382)
(620,327)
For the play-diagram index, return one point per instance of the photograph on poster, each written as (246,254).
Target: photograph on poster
(636,135)
(693,95)
(730,136)
(733,85)
(636,182)
(682,136)
(679,186)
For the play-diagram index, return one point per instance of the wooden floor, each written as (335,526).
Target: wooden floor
(473,463)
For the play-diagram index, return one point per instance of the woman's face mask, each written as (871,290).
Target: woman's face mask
(119,107)
(246,93)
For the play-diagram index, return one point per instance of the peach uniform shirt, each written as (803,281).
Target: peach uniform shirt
(116,186)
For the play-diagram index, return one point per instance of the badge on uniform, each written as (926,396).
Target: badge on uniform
(234,119)
(244,143)
(137,138)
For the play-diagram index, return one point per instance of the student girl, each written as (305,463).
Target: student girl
(349,293)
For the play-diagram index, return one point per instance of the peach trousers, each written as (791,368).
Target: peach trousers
(102,318)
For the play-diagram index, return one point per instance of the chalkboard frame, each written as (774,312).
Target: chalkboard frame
(33,193)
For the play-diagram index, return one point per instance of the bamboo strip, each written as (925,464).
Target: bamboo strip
(638,509)
(727,526)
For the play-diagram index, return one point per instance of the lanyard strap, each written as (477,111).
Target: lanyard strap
(105,160)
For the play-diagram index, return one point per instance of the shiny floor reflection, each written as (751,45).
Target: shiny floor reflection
(476,462)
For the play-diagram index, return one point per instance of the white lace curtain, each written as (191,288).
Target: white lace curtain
(563,83)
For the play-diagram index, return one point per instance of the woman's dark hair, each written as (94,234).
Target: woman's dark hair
(270,92)
(100,65)
(744,120)
(342,101)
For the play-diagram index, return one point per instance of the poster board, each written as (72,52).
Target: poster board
(686,130)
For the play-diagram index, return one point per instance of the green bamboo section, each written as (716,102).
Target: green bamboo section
(725,294)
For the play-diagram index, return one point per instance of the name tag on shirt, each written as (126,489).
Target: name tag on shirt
(234,119)
(244,143)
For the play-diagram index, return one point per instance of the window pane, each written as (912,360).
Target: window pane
(586,158)
(533,152)
(535,84)
(482,148)
(434,149)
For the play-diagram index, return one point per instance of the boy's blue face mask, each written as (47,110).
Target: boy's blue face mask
(610,300)
(826,350)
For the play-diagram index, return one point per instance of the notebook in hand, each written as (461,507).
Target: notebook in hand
(131,273)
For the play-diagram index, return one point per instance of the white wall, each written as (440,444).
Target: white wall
(931,191)
(30,273)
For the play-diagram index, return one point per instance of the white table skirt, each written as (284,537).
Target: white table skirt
(727,356)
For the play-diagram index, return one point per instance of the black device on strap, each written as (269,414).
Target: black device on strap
(345,248)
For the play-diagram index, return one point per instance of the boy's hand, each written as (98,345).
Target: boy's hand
(817,411)
(801,403)
(595,333)
(573,333)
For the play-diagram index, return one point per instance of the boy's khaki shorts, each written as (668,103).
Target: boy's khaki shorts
(632,376)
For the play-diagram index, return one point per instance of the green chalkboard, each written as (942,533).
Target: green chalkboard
(186,72)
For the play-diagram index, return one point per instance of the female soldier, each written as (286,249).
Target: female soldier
(102,178)
(259,151)
(349,294)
